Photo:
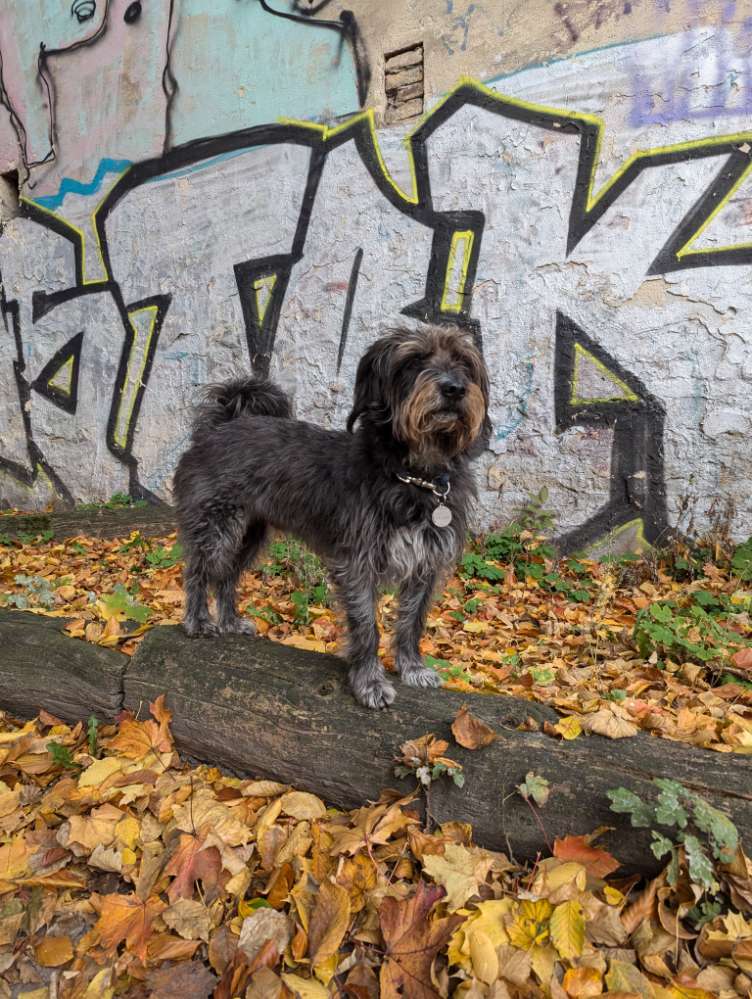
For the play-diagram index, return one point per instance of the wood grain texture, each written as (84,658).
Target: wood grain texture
(263,709)
(41,667)
(99,523)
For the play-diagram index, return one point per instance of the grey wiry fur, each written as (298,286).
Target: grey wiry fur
(420,407)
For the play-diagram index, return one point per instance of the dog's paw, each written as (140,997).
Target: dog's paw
(238,626)
(205,628)
(418,675)
(372,690)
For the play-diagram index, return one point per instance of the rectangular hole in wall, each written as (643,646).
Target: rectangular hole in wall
(9,195)
(403,83)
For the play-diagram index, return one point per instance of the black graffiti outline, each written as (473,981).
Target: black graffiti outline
(71,350)
(9,309)
(420,209)
(637,481)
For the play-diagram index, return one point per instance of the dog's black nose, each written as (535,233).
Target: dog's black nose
(452,387)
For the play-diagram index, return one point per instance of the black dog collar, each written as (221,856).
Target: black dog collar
(439,486)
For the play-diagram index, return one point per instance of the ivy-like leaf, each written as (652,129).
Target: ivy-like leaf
(720,830)
(536,787)
(699,864)
(626,802)
(669,810)
(661,845)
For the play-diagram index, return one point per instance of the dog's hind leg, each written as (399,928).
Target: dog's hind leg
(196,619)
(414,600)
(228,619)
(367,678)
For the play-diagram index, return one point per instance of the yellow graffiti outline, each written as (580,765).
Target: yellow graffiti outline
(468,236)
(121,439)
(576,400)
(593,197)
(267,281)
(66,366)
(94,217)
(367,116)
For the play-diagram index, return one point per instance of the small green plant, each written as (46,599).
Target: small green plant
(164,558)
(62,756)
(37,592)
(92,735)
(702,835)
(741,561)
(135,543)
(692,632)
(118,501)
(267,614)
(121,603)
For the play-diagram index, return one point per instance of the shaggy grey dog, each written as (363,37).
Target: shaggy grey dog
(385,502)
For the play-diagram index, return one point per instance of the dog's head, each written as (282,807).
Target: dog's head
(429,385)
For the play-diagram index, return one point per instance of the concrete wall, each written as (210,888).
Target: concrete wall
(208,186)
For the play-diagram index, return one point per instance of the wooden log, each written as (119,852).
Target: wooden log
(100,522)
(41,667)
(263,709)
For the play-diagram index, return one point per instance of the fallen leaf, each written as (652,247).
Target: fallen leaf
(261,927)
(329,921)
(599,863)
(125,918)
(567,928)
(459,871)
(54,951)
(471,732)
(412,939)
(186,980)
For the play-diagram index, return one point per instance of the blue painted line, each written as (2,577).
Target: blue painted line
(545,63)
(70,186)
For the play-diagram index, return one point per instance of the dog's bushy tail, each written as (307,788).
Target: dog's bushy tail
(229,400)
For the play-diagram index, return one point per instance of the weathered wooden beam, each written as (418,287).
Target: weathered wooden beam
(41,667)
(150,520)
(264,709)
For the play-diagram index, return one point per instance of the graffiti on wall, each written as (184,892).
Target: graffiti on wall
(283,246)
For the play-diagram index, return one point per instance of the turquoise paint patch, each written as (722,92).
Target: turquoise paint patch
(70,186)
(503,432)
(242,65)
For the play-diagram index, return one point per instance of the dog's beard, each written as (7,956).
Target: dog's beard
(435,428)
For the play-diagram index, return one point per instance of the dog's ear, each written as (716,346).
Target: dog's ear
(370,396)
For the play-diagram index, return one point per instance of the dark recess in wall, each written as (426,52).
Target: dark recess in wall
(403,83)
(10,191)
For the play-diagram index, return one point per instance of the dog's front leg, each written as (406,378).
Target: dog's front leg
(367,678)
(414,600)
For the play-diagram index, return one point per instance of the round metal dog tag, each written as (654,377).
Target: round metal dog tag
(442,516)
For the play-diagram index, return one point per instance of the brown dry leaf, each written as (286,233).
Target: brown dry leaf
(609,722)
(54,951)
(262,927)
(471,732)
(412,938)
(329,922)
(599,863)
(189,919)
(192,861)
(186,980)
(583,982)
(125,918)
(459,871)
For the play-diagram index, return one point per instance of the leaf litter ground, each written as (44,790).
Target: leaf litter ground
(124,872)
